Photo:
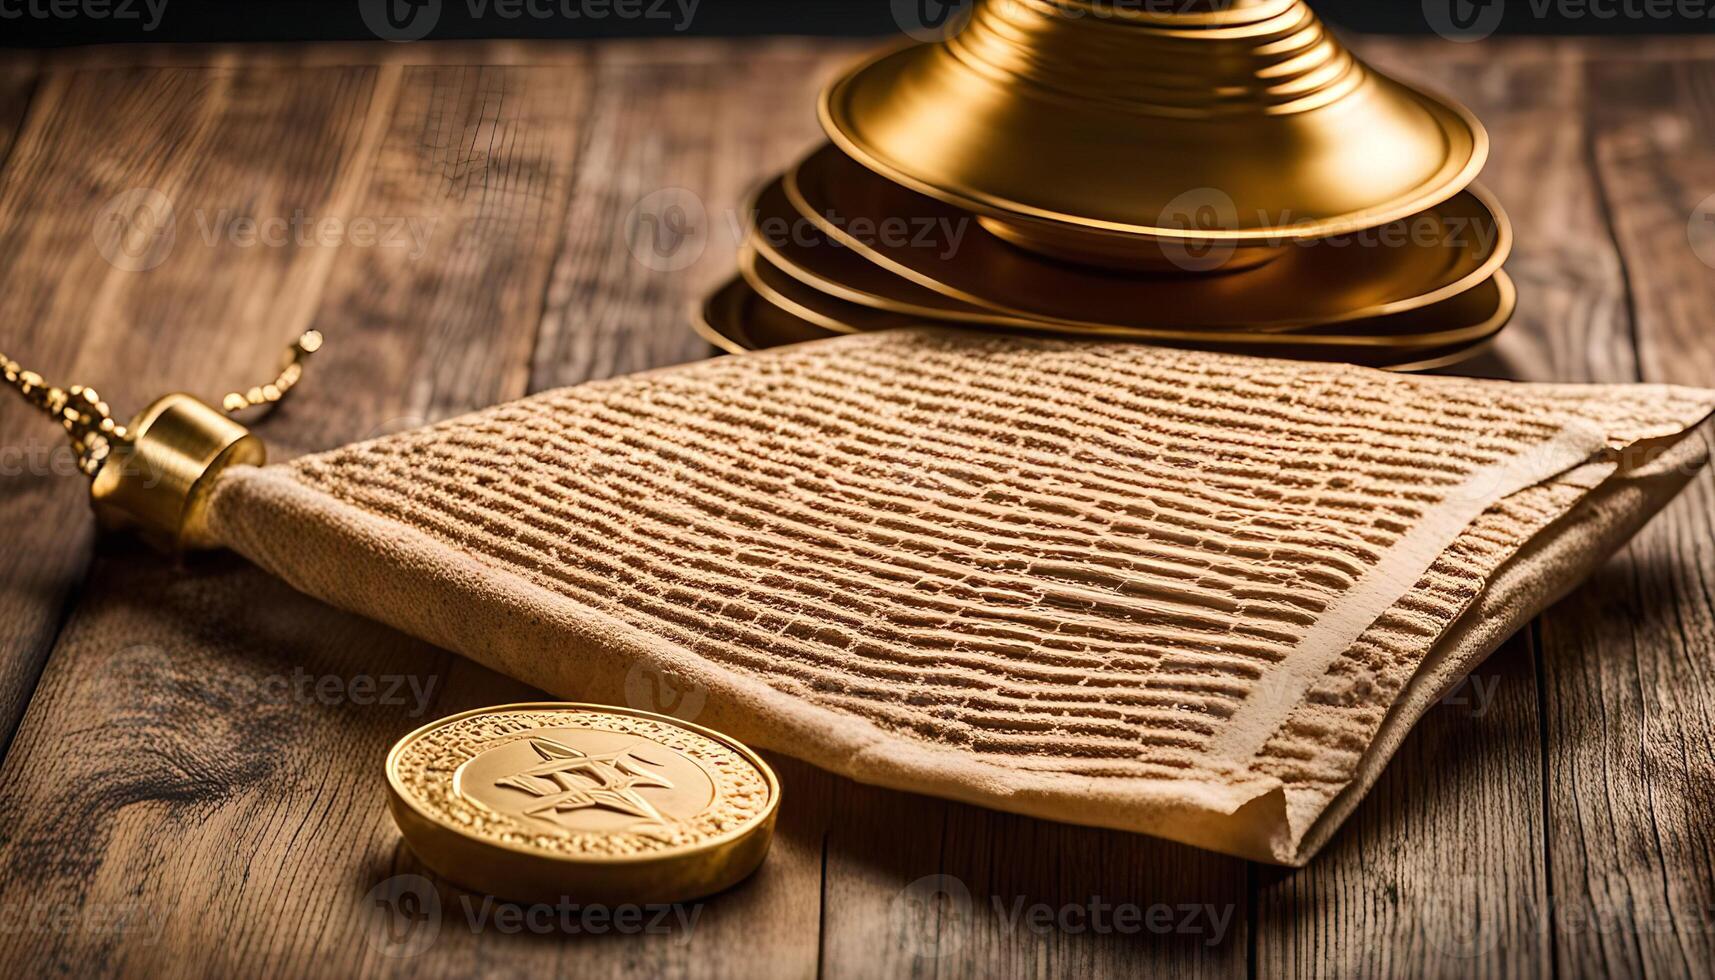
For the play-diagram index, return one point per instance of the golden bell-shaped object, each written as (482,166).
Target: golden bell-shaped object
(1224,175)
(1105,134)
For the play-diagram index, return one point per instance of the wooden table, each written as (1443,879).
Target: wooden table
(191,781)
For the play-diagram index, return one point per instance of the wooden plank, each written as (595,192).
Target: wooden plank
(75,315)
(923,887)
(1655,157)
(781,903)
(1630,661)
(183,769)
(656,219)
(18,80)
(1444,860)
(35,576)
(1572,322)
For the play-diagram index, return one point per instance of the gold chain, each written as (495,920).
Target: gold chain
(79,409)
(89,421)
(291,369)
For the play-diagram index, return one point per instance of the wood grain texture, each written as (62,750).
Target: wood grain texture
(36,575)
(1628,661)
(260,819)
(1603,870)
(18,80)
(921,887)
(676,144)
(178,802)
(180,312)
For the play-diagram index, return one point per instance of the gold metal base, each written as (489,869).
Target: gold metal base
(1405,265)
(1470,316)
(738,319)
(1124,253)
(1224,176)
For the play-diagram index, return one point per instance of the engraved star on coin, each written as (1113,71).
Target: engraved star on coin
(569,780)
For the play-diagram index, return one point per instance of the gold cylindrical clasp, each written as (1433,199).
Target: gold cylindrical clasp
(160,482)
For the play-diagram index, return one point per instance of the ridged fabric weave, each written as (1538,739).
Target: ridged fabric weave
(1194,595)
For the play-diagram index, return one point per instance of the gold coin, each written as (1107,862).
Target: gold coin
(554,802)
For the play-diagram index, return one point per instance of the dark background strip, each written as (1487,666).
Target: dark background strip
(60,22)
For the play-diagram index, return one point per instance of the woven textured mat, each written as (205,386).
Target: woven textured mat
(1194,595)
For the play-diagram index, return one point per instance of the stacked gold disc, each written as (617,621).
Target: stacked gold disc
(1224,176)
